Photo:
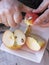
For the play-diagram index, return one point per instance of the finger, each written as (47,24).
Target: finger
(45,23)
(17,15)
(42,18)
(4,20)
(42,7)
(17,18)
(44,26)
(10,19)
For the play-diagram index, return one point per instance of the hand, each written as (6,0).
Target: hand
(43,20)
(9,13)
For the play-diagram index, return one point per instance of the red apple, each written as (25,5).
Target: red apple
(30,17)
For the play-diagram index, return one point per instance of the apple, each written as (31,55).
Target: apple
(30,17)
(14,40)
(35,42)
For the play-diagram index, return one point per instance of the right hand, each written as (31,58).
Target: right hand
(9,13)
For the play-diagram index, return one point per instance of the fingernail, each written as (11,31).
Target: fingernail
(15,16)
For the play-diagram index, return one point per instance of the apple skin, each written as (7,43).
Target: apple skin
(30,17)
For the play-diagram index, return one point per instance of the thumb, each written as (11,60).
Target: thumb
(17,17)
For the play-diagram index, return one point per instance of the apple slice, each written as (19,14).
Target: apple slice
(14,40)
(19,37)
(35,42)
(8,38)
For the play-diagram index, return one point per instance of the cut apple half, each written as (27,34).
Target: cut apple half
(33,44)
(14,40)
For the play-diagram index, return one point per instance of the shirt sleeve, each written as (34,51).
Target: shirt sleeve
(31,3)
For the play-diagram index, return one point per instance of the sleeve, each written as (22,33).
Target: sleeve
(31,3)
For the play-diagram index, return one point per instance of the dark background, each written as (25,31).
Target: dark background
(31,3)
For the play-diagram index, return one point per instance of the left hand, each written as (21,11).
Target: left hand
(43,20)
